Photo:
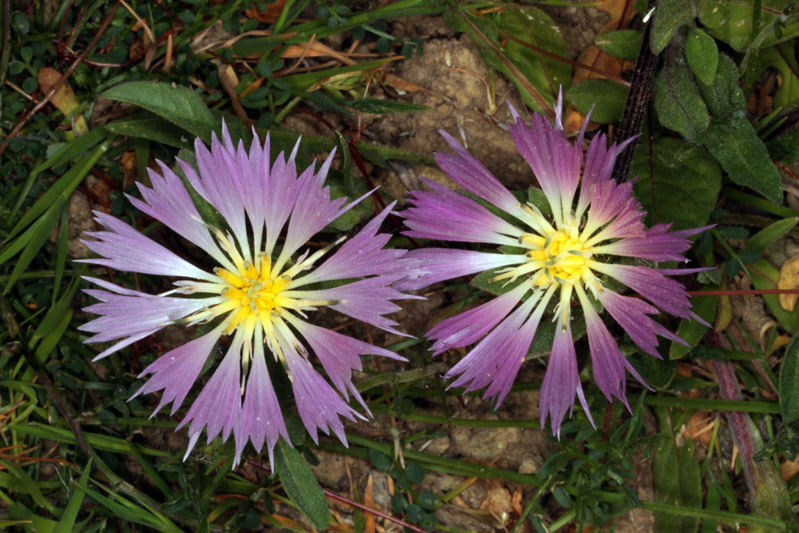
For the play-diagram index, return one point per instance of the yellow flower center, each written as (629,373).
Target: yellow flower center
(252,294)
(563,257)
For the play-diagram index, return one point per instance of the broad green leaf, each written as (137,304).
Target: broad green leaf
(735,144)
(623,44)
(146,125)
(692,331)
(771,234)
(765,276)
(528,24)
(179,105)
(607,97)
(679,184)
(301,485)
(545,336)
(789,382)
(670,16)
(67,522)
(731,22)
(702,55)
(678,103)
(678,481)
(657,373)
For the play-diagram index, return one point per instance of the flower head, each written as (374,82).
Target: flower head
(558,254)
(257,298)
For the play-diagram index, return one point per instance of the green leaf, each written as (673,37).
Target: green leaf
(702,55)
(735,144)
(678,481)
(670,16)
(692,331)
(531,25)
(678,103)
(377,105)
(301,485)
(731,22)
(608,97)
(783,57)
(623,44)
(771,234)
(179,105)
(67,522)
(723,96)
(789,383)
(680,184)
(145,125)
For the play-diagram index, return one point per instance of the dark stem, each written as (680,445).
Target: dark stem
(637,104)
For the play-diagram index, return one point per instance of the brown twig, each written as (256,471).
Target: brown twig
(35,109)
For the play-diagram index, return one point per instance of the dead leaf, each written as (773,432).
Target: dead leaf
(268,15)
(398,83)
(789,279)
(621,13)
(789,469)
(368,500)
(699,427)
(64,98)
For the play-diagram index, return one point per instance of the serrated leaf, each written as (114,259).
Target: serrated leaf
(301,485)
(731,22)
(179,105)
(678,481)
(622,44)
(735,144)
(678,103)
(670,16)
(702,55)
(146,125)
(679,184)
(607,97)
(789,383)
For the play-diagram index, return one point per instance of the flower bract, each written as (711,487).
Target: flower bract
(256,301)
(558,255)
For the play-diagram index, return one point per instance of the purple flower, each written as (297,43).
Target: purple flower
(556,254)
(258,296)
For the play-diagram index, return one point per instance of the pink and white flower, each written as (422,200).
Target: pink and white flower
(563,257)
(258,297)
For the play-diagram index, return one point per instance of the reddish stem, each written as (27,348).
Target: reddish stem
(743,292)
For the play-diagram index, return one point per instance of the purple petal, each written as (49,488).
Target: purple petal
(319,405)
(469,326)
(124,248)
(561,383)
(218,406)
(465,170)
(362,255)
(426,266)
(261,419)
(555,161)
(117,307)
(448,215)
(176,371)
(657,245)
(666,293)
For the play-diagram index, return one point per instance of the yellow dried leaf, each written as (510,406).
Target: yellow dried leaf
(64,98)
(789,279)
